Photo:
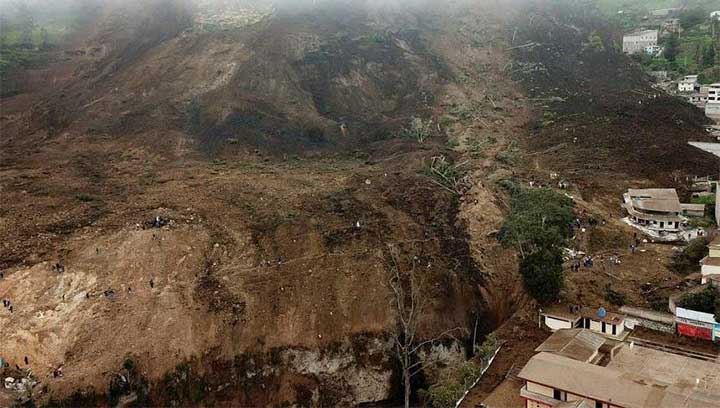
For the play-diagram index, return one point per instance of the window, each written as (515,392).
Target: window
(598,404)
(557,394)
(603,327)
(614,330)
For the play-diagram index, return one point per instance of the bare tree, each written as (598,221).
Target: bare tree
(410,302)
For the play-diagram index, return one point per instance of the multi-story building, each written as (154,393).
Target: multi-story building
(577,368)
(712,108)
(637,41)
(656,209)
(688,84)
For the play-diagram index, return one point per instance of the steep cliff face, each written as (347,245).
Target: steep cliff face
(278,145)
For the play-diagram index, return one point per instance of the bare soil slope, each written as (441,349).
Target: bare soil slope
(269,284)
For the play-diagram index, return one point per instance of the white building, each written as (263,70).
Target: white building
(714,93)
(656,209)
(712,108)
(710,265)
(574,370)
(688,84)
(600,321)
(637,41)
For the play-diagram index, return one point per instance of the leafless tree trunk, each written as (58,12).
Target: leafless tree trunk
(409,301)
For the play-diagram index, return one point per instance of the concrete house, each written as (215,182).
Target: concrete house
(712,108)
(573,370)
(710,265)
(666,12)
(600,321)
(693,210)
(656,209)
(699,98)
(688,84)
(670,26)
(637,41)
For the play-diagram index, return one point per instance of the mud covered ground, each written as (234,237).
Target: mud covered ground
(272,265)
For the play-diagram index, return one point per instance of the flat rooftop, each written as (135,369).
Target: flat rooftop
(677,374)
(637,377)
(713,148)
(655,199)
(641,32)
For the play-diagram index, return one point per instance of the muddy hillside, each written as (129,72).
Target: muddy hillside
(598,118)
(209,206)
(230,203)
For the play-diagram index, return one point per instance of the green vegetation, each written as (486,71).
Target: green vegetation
(538,226)
(449,175)
(184,384)
(707,301)
(543,275)
(539,218)
(693,51)
(614,297)
(373,38)
(688,260)
(477,146)
(446,393)
(485,350)
(418,129)
(28,31)
(671,48)
(707,200)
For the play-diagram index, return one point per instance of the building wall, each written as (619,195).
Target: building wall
(637,43)
(689,330)
(709,270)
(632,322)
(717,205)
(540,389)
(557,324)
(535,404)
(713,94)
(714,253)
(686,87)
(597,327)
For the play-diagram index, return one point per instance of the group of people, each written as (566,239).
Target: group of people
(8,305)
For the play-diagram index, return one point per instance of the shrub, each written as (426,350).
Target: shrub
(616,298)
(487,348)
(689,259)
(543,275)
(444,395)
(539,218)
(705,301)
(84,197)
(450,175)
(418,129)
